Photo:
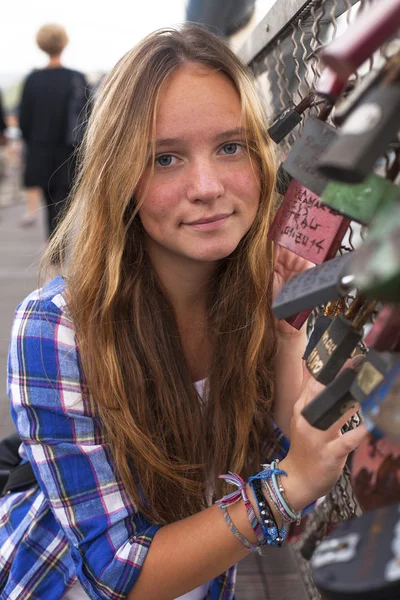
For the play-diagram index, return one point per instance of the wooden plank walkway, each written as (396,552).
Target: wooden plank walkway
(271,577)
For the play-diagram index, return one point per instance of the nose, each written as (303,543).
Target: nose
(204,181)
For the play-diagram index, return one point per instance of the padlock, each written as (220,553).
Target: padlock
(371,373)
(283,180)
(322,322)
(297,321)
(381,408)
(314,286)
(330,85)
(385,332)
(305,226)
(301,162)
(289,119)
(360,201)
(332,403)
(355,96)
(372,27)
(339,341)
(360,559)
(375,266)
(366,134)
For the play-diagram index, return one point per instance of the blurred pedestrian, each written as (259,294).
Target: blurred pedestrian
(3,124)
(53,99)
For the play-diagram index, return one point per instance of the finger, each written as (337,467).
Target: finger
(311,389)
(349,441)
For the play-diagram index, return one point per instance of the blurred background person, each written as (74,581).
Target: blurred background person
(3,125)
(53,100)
(3,137)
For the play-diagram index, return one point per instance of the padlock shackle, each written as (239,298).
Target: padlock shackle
(305,103)
(394,168)
(354,307)
(365,312)
(325,110)
(333,308)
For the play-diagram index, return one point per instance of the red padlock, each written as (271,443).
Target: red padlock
(306,226)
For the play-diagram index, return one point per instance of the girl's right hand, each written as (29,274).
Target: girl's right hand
(316,458)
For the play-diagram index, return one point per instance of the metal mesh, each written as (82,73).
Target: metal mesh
(287,69)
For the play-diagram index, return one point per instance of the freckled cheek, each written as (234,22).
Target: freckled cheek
(248,188)
(158,206)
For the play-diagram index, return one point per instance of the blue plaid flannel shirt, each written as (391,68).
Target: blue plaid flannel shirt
(78,523)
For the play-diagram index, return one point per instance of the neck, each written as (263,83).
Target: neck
(186,282)
(55,61)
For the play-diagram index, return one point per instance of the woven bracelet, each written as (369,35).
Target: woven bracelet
(270,492)
(279,491)
(233,497)
(242,539)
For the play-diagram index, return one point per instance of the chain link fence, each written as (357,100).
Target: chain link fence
(283,53)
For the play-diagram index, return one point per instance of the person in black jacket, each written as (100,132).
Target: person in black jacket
(3,124)
(53,99)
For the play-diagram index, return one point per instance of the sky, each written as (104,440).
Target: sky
(100,31)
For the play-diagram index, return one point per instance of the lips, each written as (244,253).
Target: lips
(209,224)
(210,219)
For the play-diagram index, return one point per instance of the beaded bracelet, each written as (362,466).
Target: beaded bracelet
(279,491)
(273,535)
(228,499)
(242,539)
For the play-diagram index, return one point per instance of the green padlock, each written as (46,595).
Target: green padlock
(376,264)
(360,201)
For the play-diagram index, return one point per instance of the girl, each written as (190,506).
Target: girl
(154,364)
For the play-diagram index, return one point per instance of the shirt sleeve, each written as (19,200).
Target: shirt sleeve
(25,110)
(64,441)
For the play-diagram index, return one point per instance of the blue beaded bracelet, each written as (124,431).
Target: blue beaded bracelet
(273,535)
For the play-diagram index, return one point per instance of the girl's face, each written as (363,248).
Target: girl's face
(204,193)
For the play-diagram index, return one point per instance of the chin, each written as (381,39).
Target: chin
(215,254)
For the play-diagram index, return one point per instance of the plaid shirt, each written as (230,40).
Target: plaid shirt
(78,523)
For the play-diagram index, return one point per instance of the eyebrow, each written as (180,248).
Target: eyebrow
(239,132)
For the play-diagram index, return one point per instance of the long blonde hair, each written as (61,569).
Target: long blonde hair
(167,446)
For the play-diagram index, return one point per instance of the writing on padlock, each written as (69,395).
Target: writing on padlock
(313,287)
(288,120)
(375,266)
(339,340)
(307,227)
(322,322)
(372,27)
(360,202)
(367,132)
(302,160)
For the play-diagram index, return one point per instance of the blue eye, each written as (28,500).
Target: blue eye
(165,160)
(231,148)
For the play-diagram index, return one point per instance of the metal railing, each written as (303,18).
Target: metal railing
(282,51)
